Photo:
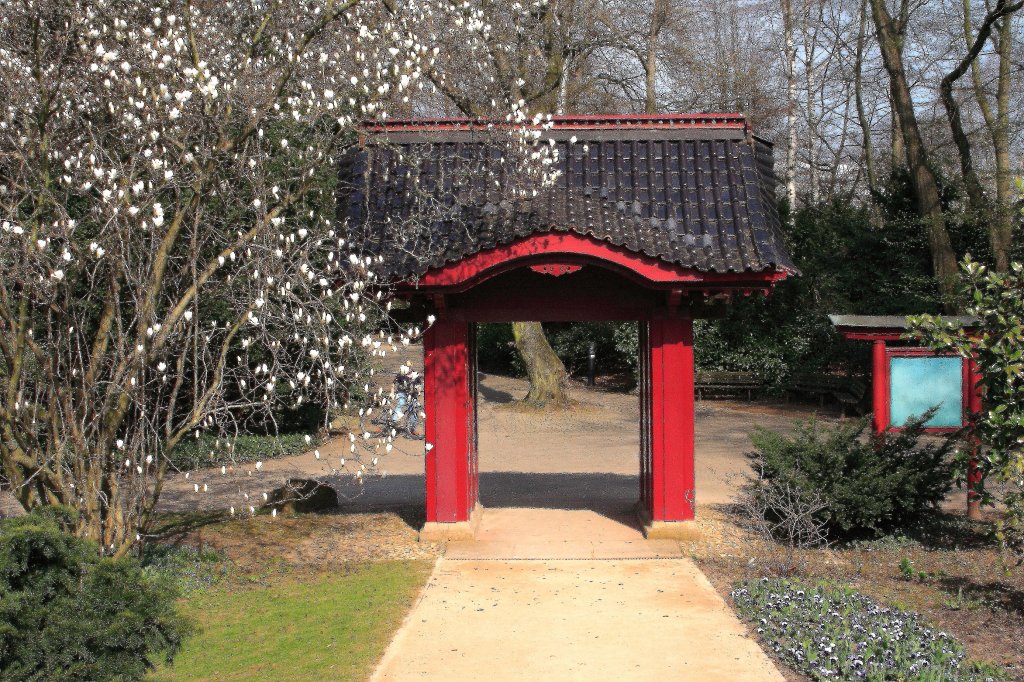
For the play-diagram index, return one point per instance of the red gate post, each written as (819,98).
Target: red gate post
(974,476)
(880,388)
(668,511)
(452,510)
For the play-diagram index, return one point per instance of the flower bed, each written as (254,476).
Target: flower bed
(832,633)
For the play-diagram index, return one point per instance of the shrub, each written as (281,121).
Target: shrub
(615,343)
(208,450)
(571,341)
(66,613)
(832,633)
(869,485)
(496,349)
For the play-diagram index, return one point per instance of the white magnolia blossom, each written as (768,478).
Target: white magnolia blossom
(166,192)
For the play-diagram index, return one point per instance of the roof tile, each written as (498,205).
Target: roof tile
(705,204)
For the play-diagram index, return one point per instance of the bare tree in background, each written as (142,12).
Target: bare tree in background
(997,28)
(529,63)
(791,102)
(922,176)
(867,142)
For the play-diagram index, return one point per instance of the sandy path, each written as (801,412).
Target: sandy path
(572,620)
(586,457)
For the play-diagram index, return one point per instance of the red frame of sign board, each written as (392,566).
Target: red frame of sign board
(883,390)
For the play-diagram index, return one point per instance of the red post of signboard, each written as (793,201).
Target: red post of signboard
(668,418)
(974,475)
(880,380)
(448,395)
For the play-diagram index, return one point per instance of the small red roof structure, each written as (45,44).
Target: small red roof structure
(908,380)
(886,327)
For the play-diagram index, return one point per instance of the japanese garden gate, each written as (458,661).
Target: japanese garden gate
(654,219)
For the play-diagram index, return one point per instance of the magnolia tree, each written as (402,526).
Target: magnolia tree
(171,262)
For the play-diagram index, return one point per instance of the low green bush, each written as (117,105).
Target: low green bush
(828,632)
(496,350)
(615,344)
(869,485)
(571,341)
(68,614)
(208,450)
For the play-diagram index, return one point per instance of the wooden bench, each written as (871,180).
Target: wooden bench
(726,383)
(846,391)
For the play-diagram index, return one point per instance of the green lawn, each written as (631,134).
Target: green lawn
(328,626)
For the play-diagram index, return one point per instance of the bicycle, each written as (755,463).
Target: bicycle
(402,416)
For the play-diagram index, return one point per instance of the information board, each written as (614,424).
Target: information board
(919,383)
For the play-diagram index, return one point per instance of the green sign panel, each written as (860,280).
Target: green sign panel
(919,383)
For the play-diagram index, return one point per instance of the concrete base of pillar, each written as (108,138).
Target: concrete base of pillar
(667,530)
(434,531)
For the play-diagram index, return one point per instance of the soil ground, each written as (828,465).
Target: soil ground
(584,457)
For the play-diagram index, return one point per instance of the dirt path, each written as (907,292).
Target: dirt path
(586,457)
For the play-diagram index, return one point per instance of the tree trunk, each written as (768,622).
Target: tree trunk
(811,25)
(922,178)
(659,14)
(975,191)
(862,117)
(899,148)
(1001,223)
(791,141)
(546,371)
(1001,232)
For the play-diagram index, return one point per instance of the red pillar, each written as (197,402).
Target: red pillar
(880,381)
(974,476)
(667,471)
(450,422)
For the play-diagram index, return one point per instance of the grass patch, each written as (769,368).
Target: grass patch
(332,625)
(828,632)
(207,450)
(190,568)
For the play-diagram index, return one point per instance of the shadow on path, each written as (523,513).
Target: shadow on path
(611,495)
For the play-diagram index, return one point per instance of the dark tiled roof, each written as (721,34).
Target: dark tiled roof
(699,196)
